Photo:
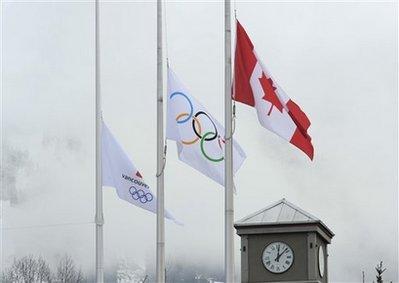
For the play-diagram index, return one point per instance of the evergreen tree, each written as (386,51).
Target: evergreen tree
(379,270)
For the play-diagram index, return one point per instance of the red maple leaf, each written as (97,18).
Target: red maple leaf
(270,94)
(139,175)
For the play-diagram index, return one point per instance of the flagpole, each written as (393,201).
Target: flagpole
(99,196)
(160,264)
(228,157)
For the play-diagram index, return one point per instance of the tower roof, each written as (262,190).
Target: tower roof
(280,212)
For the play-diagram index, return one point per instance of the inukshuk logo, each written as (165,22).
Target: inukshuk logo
(201,135)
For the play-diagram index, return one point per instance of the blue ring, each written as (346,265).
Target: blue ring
(191,106)
(140,195)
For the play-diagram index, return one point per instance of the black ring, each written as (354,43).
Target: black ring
(215,134)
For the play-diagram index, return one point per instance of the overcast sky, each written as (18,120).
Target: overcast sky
(338,61)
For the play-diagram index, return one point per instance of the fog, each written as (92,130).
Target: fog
(337,60)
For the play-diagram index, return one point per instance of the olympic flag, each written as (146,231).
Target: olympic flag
(120,173)
(199,137)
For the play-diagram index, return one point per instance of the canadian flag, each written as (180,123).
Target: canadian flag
(254,86)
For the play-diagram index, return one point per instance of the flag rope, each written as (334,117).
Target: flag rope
(166,32)
(233,94)
(233,120)
(165,150)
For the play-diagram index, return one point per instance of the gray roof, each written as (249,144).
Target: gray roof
(281,211)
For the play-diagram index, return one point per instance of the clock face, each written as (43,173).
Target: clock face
(277,257)
(321,261)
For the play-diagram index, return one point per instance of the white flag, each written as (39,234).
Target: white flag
(199,137)
(120,173)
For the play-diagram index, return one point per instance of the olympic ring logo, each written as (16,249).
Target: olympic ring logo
(140,195)
(208,136)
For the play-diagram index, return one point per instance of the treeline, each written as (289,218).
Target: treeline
(184,270)
(30,269)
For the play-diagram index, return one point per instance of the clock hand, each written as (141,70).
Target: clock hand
(279,255)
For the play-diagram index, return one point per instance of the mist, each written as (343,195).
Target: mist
(337,60)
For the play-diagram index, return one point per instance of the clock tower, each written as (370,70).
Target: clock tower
(283,243)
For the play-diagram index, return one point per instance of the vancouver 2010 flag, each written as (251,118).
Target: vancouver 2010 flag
(120,173)
(199,137)
(254,86)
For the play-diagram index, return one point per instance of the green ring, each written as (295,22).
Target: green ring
(203,151)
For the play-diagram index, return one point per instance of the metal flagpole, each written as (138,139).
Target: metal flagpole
(228,156)
(160,265)
(99,193)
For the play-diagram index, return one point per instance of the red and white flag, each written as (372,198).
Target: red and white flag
(254,86)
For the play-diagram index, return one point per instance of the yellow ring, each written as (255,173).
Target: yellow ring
(197,123)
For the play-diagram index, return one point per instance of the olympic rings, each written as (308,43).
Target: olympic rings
(197,123)
(189,102)
(197,128)
(215,134)
(140,195)
(203,151)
